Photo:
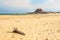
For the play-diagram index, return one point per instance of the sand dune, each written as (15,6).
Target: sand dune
(35,27)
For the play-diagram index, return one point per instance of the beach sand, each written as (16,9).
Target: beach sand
(35,27)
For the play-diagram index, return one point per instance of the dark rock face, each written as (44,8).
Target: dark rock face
(38,10)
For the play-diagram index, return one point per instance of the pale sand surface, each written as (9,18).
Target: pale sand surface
(35,27)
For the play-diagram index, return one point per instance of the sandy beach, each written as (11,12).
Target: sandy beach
(35,27)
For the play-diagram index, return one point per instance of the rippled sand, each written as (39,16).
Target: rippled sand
(35,27)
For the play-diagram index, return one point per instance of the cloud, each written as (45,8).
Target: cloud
(16,3)
(51,0)
(53,4)
(28,5)
(49,4)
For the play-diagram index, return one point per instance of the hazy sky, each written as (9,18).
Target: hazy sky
(21,6)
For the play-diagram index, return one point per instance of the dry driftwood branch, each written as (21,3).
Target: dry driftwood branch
(18,32)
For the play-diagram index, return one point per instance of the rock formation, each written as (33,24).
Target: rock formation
(38,10)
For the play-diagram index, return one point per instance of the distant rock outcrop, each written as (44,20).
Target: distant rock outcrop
(39,11)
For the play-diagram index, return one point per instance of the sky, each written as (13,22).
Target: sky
(23,6)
